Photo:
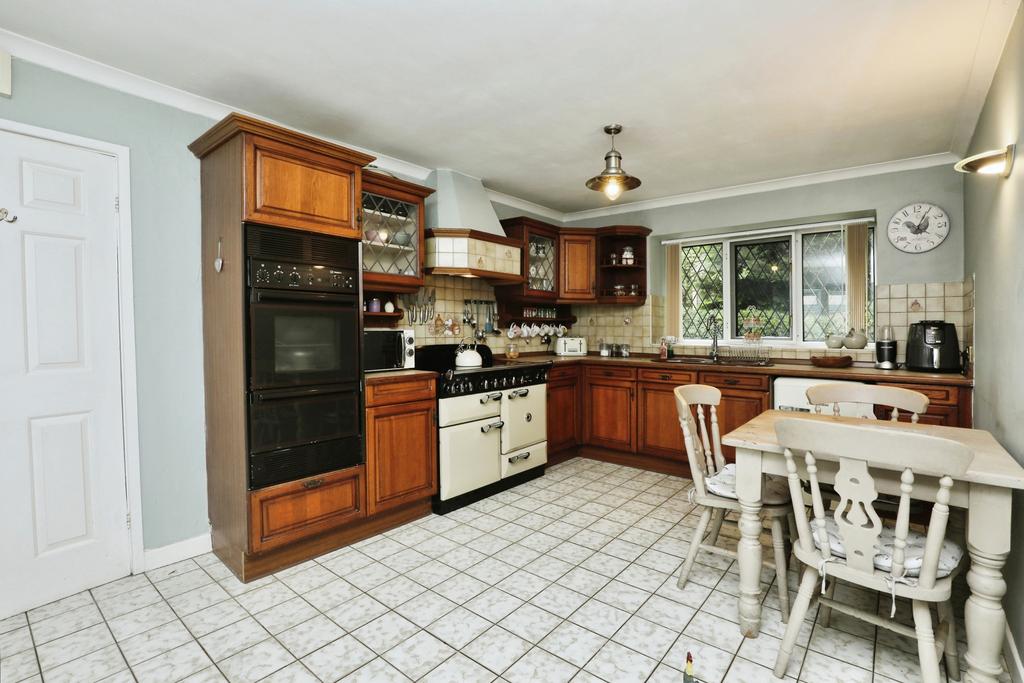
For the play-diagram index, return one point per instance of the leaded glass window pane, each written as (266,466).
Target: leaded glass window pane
(824,285)
(761,288)
(701,291)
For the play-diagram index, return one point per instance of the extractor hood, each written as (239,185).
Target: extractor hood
(464,237)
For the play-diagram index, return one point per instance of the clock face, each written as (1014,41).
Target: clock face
(918,227)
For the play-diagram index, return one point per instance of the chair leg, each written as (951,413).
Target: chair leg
(717,517)
(952,660)
(796,619)
(825,614)
(925,642)
(781,577)
(695,541)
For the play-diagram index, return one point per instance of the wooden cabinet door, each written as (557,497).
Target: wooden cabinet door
(578,267)
(657,422)
(291,187)
(563,415)
(739,406)
(401,454)
(610,414)
(288,512)
(937,414)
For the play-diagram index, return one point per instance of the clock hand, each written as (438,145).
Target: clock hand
(924,221)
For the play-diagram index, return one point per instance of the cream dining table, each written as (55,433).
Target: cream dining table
(984,491)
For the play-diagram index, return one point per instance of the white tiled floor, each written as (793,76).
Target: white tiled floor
(568,577)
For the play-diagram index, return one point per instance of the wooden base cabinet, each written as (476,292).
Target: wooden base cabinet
(401,454)
(564,409)
(610,408)
(283,514)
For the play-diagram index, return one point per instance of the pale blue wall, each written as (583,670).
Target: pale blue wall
(168,315)
(994,213)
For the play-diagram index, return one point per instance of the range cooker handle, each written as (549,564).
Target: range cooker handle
(494,425)
(496,396)
(517,393)
(262,295)
(516,458)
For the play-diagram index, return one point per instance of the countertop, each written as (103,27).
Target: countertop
(389,376)
(777,370)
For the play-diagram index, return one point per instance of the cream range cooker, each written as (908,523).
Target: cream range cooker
(492,425)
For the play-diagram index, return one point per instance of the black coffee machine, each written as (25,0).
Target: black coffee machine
(932,346)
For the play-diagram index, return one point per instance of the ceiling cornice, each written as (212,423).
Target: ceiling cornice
(913,163)
(123,81)
(525,205)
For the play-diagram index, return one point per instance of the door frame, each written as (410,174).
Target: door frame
(126,320)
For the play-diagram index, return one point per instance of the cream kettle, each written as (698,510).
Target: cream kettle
(468,356)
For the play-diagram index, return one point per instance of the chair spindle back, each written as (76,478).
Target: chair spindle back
(703,441)
(912,402)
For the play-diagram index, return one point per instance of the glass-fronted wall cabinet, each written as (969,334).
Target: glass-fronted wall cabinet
(540,259)
(392,215)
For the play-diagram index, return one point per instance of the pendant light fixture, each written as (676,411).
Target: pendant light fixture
(613,181)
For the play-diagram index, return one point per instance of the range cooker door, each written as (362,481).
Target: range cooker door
(524,412)
(451,411)
(525,459)
(469,456)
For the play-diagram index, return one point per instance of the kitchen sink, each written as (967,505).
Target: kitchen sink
(696,360)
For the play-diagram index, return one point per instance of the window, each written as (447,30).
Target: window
(795,284)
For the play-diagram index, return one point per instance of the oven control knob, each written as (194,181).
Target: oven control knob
(262,276)
(294,279)
(278,276)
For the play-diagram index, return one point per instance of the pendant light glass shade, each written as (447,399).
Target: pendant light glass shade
(613,181)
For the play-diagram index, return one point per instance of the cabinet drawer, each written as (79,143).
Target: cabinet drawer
(563,373)
(611,373)
(936,394)
(405,391)
(288,512)
(524,459)
(734,380)
(672,376)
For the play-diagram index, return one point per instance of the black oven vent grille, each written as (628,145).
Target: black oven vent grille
(277,244)
(289,245)
(333,250)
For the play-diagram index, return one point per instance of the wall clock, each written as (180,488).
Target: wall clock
(918,227)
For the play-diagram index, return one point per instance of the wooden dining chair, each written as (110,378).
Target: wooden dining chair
(714,485)
(869,395)
(866,397)
(853,544)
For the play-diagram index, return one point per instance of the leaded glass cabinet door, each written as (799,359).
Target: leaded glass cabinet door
(542,260)
(392,233)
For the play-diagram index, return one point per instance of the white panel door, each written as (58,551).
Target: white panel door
(63,505)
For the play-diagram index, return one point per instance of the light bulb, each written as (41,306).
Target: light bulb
(994,167)
(613,189)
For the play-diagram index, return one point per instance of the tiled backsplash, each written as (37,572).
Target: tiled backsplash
(641,326)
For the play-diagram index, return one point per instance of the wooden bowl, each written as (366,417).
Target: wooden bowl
(832,361)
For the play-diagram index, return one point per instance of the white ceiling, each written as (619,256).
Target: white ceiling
(711,94)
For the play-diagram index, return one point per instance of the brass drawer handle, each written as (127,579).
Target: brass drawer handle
(666,376)
(312,483)
(731,382)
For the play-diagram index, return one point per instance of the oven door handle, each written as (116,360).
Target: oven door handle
(305,392)
(517,393)
(262,295)
(486,398)
(494,425)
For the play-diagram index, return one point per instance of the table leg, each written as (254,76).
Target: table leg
(748,491)
(988,543)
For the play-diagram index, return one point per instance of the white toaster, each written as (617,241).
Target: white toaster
(570,346)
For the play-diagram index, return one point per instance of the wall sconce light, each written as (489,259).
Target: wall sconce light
(993,162)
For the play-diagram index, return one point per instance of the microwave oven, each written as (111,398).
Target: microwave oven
(388,350)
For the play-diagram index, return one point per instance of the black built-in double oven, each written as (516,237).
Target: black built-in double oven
(305,333)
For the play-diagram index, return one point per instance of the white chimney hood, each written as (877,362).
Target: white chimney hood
(464,237)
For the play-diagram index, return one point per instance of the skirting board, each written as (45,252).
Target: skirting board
(175,552)
(1011,657)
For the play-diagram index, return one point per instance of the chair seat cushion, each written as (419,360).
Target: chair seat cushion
(949,556)
(775,490)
